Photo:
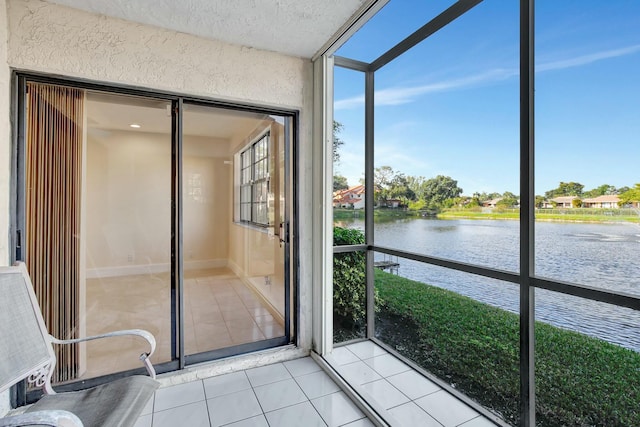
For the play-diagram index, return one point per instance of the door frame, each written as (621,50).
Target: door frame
(179,360)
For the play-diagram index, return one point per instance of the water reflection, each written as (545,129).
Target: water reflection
(599,255)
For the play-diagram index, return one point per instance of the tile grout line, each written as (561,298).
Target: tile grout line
(206,402)
(440,389)
(305,394)
(257,400)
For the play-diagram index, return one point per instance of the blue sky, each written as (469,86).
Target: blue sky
(450,106)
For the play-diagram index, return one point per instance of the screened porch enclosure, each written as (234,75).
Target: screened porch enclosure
(493,302)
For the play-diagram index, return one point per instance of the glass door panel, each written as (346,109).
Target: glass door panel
(97,223)
(233,205)
(128,228)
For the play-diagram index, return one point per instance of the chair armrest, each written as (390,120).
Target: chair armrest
(144,357)
(55,418)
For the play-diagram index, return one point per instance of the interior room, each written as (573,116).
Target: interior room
(233,258)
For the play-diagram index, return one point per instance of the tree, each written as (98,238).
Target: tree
(415,183)
(457,201)
(337,142)
(565,189)
(417,205)
(630,196)
(473,202)
(382,177)
(603,190)
(539,201)
(576,203)
(339,183)
(436,190)
(508,201)
(399,188)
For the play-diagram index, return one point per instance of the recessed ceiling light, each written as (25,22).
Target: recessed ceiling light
(134,125)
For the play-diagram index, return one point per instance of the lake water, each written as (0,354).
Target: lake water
(599,255)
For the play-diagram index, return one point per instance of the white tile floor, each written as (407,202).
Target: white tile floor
(295,393)
(299,393)
(409,398)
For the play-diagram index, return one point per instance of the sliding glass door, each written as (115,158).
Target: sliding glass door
(146,211)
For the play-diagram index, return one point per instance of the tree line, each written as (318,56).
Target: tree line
(441,192)
(625,194)
(418,193)
(413,192)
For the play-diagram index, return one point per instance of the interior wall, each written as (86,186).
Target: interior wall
(128,194)
(207,194)
(242,237)
(128,191)
(255,253)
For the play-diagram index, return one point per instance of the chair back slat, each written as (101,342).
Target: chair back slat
(25,346)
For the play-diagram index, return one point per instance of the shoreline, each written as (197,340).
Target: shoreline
(392,214)
(584,221)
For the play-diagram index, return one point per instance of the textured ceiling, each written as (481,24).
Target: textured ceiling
(293,27)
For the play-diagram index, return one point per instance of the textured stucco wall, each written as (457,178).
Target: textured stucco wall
(5,156)
(55,39)
(5,138)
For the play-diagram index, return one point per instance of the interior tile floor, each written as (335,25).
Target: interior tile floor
(220,311)
(299,393)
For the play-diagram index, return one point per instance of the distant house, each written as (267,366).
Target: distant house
(393,203)
(352,197)
(491,203)
(602,202)
(561,202)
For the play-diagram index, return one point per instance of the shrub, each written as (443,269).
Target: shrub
(417,205)
(349,284)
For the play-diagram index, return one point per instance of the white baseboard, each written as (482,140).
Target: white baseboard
(143,269)
(235,268)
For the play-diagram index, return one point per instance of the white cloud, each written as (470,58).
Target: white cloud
(587,59)
(404,95)
(349,103)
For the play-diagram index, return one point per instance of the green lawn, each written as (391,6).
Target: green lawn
(542,215)
(580,381)
(590,215)
(379,214)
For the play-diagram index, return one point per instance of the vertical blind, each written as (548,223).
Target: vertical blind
(53,160)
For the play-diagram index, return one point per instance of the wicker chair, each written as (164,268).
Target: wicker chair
(26,352)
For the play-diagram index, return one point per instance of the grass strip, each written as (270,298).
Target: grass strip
(540,216)
(382,215)
(580,380)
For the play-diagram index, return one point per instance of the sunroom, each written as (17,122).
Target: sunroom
(197,148)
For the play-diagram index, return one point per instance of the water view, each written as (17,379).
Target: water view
(597,255)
